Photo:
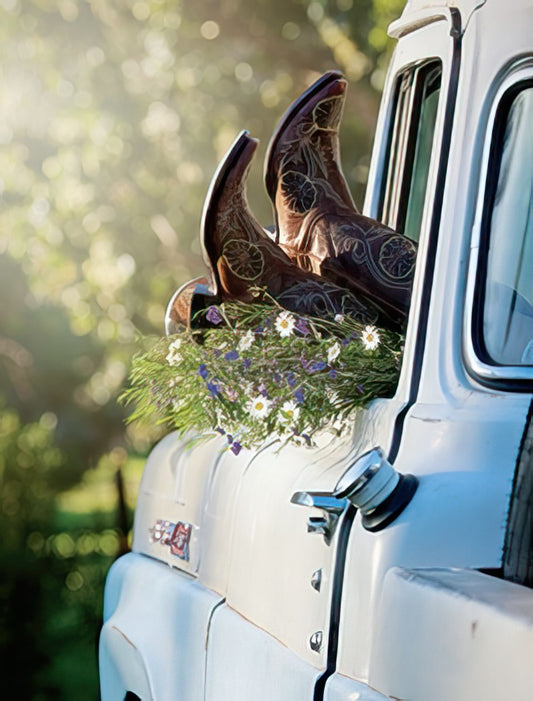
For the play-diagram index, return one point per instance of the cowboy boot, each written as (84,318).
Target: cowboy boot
(318,225)
(243,259)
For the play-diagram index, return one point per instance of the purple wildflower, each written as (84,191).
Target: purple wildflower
(316,366)
(231,394)
(246,363)
(299,395)
(291,379)
(202,371)
(262,389)
(214,316)
(230,438)
(213,389)
(345,341)
(333,374)
(259,329)
(216,352)
(220,430)
(236,447)
(277,378)
(232,355)
(302,327)
(361,388)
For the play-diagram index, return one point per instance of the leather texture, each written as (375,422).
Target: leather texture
(243,257)
(318,225)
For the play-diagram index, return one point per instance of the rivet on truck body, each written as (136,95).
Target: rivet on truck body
(315,641)
(316,579)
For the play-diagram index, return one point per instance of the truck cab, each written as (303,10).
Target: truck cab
(257,575)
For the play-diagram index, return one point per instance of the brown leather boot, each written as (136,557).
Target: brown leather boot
(242,258)
(318,225)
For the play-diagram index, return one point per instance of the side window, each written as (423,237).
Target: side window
(409,150)
(505,275)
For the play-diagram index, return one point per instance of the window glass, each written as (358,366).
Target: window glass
(424,143)
(410,145)
(508,299)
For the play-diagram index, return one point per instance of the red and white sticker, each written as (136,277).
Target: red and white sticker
(175,535)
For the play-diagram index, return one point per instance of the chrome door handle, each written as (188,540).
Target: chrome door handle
(326,502)
(372,485)
(319,500)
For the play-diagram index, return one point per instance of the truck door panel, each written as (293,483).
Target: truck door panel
(462,431)
(280,580)
(244,662)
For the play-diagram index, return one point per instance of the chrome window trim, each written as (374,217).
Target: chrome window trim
(397,186)
(411,20)
(505,376)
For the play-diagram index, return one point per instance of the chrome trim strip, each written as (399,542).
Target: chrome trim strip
(491,375)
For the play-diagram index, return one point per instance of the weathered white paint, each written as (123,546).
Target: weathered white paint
(263,670)
(154,637)
(340,687)
(453,634)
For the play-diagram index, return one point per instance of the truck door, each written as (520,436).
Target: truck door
(470,374)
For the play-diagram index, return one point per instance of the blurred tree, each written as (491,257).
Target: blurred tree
(113,116)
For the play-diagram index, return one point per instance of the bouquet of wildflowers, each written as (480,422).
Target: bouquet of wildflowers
(262,372)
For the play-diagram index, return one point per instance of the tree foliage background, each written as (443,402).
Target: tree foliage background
(113,117)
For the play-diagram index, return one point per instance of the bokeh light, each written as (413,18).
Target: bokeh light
(113,117)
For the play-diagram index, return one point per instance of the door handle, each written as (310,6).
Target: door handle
(372,485)
(331,506)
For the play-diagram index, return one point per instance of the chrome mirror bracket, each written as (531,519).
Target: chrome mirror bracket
(392,507)
(373,486)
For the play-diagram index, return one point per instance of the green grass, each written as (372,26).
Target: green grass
(79,553)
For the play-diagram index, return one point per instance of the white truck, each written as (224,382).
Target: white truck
(395,563)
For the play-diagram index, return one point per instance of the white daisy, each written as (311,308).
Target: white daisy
(285,323)
(370,336)
(333,352)
(259,407)
(246,341)
(339,318)
(290,411)
(174,356)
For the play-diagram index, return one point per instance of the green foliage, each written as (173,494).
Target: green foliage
(50,582)
(264,372)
